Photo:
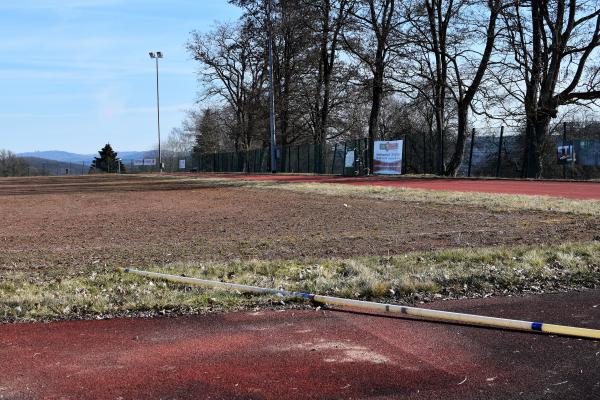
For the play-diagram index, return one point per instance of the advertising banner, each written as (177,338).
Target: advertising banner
(138,163)
(150,161)
(387,157)
(565,154)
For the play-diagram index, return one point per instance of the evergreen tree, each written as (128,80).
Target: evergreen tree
(107,161)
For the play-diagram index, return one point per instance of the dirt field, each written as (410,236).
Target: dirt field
(116,221)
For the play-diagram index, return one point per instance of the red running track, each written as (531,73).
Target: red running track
(564,189)
(308,355)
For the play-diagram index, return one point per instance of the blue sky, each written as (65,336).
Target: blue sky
(75,74)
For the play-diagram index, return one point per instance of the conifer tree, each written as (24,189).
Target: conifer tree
(108,161)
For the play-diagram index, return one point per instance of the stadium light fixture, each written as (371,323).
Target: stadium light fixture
(156,56)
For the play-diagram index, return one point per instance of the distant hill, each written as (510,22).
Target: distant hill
(42,166)
(59,156)
(64,156)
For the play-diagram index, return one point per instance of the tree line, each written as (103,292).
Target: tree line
(427,69)
(11,165)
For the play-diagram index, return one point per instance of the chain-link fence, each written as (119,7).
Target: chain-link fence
(55,168)
(344,158)
(488,153)
(181,162)
(492,153)
(495,154)
(172,163)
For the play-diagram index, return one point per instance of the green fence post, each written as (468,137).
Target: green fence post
(499,152)
(333,161)
(564,140)
(471,153)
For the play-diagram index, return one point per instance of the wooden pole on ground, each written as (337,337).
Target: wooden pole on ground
(434,315)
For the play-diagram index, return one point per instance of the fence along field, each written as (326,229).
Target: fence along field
(489,153)
(492,153)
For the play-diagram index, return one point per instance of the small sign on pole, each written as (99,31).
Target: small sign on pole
(181,164)
(387,158)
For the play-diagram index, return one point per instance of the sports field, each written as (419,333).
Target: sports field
(62,238)
(76,222)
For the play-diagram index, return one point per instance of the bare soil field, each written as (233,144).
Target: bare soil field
(78,222)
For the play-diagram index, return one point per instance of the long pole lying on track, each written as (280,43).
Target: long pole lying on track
(436,315)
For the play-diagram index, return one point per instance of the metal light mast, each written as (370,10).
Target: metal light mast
(271,92)
(156,56)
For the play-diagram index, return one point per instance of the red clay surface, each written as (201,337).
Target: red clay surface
(565,189)
(307,355)
(70,223)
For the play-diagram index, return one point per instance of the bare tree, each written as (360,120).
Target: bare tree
(11,165)
(233,71)
(208,126)
(332,17)
(549,61)
(375,42)
(452,43)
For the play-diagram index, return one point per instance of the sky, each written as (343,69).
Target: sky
(76,74)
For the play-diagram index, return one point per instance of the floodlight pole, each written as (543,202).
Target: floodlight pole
(271,93)
(156,56)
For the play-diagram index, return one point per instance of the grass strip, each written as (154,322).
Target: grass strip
(489,201)
(51,294)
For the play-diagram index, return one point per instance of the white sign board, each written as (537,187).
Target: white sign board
(150,161)
(387,158)
(181,164)
(138,163)
(349,159)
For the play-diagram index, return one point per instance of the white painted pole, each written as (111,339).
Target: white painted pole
(435,315)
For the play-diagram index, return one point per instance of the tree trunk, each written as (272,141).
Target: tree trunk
(375,105)
(540,132)
(461,139)
(533,151)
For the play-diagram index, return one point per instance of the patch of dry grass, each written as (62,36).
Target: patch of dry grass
(490,201)
(53,294)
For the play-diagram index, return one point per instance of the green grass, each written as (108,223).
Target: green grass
(49,294)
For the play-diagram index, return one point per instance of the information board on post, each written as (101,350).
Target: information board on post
(387,157)
(565,154)
(181,164)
